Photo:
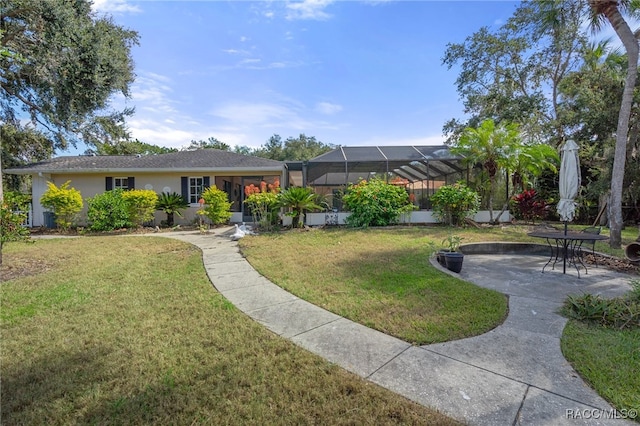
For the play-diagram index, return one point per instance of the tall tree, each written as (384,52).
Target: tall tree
(129,147)
(304,148)
(609,10)
(209,143)
(293,149)
(512,74)
(21,145)
(63,65)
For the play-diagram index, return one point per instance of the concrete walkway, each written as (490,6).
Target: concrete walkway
(514,374)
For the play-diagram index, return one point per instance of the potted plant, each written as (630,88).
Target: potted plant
(452,258)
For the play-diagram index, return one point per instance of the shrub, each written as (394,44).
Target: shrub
(529,206)
(298,200)
(108,211)
(453,203)
(375,203)
(218,207)
(171,203)
(141,205)
(13,213)
(263,203)
(65,202)
(620,312)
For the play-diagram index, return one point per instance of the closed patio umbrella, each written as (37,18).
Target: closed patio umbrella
(569,186)
(569,182)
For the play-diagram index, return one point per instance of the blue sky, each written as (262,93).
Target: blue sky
(347,72)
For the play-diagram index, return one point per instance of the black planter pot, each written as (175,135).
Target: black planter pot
(440,257)
(453,261)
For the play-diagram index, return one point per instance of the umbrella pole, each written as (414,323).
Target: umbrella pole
(564,259)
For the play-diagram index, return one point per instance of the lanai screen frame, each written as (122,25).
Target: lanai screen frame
(345,165)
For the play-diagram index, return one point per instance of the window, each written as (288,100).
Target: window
(120,183)
(195,189)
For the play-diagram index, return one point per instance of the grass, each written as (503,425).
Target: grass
(608,359)
(130,331)
(381,278)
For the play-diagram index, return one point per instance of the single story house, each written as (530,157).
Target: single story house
(184,172)
(420,169)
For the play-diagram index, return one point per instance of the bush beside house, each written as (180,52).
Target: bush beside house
(452,204)
(64,202)
(217,206)
(375,203)
(108,211)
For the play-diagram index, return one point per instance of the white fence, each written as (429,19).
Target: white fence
(27,222)
(415,217)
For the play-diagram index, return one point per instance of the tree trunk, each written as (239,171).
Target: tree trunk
(609,8)
(1,200)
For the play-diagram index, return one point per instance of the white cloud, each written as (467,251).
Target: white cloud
(255,114)
(275,116)
(308,10)
(153,91)
(328,108)
(235,52)
(114,6)
(249,61)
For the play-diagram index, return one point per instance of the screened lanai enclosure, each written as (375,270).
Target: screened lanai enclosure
(419,169)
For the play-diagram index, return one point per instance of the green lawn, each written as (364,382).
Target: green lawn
(115,330)
(607,359)
(381,278)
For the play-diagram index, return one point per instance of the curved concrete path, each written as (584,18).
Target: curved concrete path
(514,374)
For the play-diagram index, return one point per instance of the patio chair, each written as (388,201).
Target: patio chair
(593,230)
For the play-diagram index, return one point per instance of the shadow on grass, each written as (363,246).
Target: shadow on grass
(75,386)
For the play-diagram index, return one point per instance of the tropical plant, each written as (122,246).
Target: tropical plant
(65,203)
(298,200)
(529,206)
(172,204)
(217,206)
(453,203)
(141,205)
(262,201)
(452,242)
(375,203)
(494,147)
(108,211)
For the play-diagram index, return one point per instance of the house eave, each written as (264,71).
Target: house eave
(216,170)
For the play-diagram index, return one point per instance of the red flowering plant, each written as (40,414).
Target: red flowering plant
(529,206)
(262,201)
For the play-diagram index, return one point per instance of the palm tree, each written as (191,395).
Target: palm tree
(609,10)
(298,200)
(492,147)
(171,203)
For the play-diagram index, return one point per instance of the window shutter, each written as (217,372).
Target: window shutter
(131,181)
(206,182)
(108,183)
(184,184)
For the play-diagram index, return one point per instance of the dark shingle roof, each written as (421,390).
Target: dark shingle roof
(202,159)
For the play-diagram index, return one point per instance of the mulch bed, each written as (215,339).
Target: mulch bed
(613,263)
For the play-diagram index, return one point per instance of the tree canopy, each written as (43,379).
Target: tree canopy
(129,147)
(541,71)
(61,63)
(293,149)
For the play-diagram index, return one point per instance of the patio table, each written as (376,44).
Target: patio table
(568,246)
